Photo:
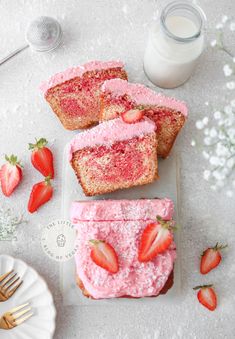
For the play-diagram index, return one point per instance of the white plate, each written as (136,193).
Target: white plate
(166,186)
(35,291)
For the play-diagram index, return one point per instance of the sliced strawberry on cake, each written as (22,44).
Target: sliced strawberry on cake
(119,96)
(108,266)
(74,94)
(115,155)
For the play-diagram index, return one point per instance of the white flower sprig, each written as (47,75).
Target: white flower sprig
(228,68)
(8,224)
(219,147)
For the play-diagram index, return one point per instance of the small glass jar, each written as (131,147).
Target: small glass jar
(175,43)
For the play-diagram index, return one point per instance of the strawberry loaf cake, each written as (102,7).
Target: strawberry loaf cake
(123,250)
(74,94)
(114,155)
(169,114)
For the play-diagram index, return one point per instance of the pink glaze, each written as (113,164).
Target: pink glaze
(121,223)
(142,95)
(78,71)
(110,132)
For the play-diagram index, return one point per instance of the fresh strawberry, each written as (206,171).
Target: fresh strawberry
(104,255)
(42,158)
(211,258)
(10,175)
(40,194)
(207,296)
(155,239)
(132,116)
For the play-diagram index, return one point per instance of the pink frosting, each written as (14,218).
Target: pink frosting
(121,223)
(78,71)
(142,95)
(110,132)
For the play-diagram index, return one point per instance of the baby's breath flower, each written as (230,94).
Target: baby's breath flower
(233,183)
(205,121)
(224,19)
(219,25)
(213,187)
(213,133)
(232,26)
(217,115)
(232,103)
(193,143)
(228,109)
(206,174)
(227,70)
(214,161)
(234,59)
(213,43)
(230,85)
(229,193)
(207,141)
(206,131)
(199,124)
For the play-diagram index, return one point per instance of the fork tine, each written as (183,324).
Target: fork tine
(12,283)
(4,276)
(15,309)
(15,288)
(21,320)
(9,280)
(19,314)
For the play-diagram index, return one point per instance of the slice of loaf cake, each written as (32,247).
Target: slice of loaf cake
(169,115)
(74,94)
(115,155)
(121,224)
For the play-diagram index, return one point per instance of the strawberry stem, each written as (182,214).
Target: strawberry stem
(12,159)
(219,247)
(94,241)
(41,143)
(48,180)
(169,224)
(202,286)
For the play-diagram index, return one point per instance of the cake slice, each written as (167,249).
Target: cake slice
(169,115)
(114,155)
(74,94)
(121,223)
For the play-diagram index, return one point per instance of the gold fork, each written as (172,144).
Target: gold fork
(15,316)
(9,283)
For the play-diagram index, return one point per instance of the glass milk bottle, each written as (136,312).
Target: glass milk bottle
(175,43)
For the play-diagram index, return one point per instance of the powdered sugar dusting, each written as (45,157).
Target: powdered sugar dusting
(142,95)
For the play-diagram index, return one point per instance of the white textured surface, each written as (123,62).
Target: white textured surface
(105,29)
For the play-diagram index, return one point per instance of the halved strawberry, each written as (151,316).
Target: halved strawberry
(207,296)
(211,258)
(40,194)
(155,239)
(10,175)
(104,255)
(42,158)
(132,116)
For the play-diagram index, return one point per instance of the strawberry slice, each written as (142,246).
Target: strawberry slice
(40,194)
(132,116)
(104,255)
(10,175)
(211,258)
(207,296)
(42,158)
(155,239)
